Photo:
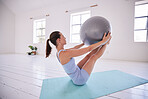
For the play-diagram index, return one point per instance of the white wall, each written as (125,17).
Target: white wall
(7,30)
(120,13)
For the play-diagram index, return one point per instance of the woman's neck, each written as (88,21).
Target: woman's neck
(59,47)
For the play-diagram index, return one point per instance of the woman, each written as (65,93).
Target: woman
(78,73)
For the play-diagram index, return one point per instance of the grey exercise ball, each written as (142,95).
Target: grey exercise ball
(93,29)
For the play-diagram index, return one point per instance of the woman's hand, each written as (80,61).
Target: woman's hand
(108,41)
(107,38)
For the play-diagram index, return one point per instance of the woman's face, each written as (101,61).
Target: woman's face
(62,39)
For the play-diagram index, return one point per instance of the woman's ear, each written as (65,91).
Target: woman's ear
(58,40)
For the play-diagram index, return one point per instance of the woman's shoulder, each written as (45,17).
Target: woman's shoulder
(64,56)
(63,51)
(66,53)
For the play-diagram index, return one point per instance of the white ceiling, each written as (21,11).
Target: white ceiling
(19,6)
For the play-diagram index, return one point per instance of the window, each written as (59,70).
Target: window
(39,31)
(141,22)
(77,19)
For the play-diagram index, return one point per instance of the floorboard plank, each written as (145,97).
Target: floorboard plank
(21,86)
(8,92)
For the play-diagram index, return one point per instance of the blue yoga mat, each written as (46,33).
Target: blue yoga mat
(99,84)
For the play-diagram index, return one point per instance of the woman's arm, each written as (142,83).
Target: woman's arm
(77,46)
(78,52)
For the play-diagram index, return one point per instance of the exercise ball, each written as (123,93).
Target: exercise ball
(93,29)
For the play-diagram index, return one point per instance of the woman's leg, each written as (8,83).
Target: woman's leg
(88,66)
(85,59)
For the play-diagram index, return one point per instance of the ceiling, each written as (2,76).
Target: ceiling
(19,6)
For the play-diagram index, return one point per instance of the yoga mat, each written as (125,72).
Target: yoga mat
(99,84)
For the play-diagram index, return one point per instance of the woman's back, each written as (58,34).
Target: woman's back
(61,57)
(70,66)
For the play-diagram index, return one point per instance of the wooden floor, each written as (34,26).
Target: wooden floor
(21,76)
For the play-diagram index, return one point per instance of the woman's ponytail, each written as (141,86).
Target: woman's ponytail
(53,38)
(48,48)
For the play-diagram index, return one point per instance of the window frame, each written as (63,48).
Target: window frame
(140,17)
(42,28)
(80,23)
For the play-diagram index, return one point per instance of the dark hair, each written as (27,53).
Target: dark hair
(53,37)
